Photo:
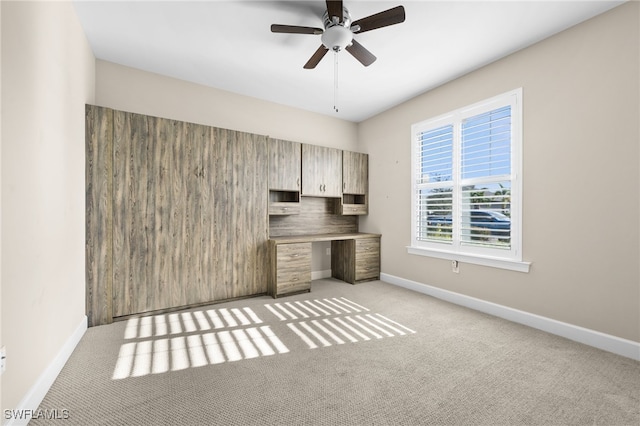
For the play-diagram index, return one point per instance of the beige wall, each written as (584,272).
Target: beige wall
(47,77)
(142,92)
(581,183)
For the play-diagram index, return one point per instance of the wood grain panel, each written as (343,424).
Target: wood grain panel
(240,214)
(367,264)
(99,229)
(176,214)
(355,172)
(343,260)
(285,165)
(251,251)
(186,214)
(317,216)
(356,260)
(131,243)
(321,171)
(290,268)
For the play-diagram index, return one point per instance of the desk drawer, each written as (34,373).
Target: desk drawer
(367,264)
(292,268)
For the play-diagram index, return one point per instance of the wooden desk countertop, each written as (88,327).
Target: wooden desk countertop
(311,238)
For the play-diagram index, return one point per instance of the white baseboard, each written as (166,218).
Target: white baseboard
(36,394)
(316,275)
(607,342)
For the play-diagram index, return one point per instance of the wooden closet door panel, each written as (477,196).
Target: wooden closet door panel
(240,214)
(159,218)
(154,215)
(222,210)
(99,214)
(132,145)
(256,224)
(196,282)
(179,220)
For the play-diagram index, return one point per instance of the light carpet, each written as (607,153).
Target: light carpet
(369,354)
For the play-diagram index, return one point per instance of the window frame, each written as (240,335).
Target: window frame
(490,256)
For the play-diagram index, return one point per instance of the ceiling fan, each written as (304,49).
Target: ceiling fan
(339,30)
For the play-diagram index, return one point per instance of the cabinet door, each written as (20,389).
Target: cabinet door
(285,163)
(321,171)
(355,172)
(332,184)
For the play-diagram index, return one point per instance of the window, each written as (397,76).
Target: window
(466,197)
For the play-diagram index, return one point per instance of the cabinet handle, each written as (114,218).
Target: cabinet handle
(298,182)
(320,188)
(324,188)
(344,185)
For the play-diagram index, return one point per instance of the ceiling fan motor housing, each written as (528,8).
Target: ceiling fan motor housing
(337,35)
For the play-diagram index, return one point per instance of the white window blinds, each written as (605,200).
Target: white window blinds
(485,179)
(466,188)
(435,178)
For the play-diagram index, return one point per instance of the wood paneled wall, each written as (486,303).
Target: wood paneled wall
(176,214)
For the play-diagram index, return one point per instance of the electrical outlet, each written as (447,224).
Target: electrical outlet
(3,359)
(455,267)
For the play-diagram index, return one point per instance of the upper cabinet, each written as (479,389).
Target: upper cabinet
(321,171)
(355,183)
(355,172)
(285,165)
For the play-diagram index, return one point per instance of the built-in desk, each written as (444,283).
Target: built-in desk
(355,258)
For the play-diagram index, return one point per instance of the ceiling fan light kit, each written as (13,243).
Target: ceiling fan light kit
(337,38)
(339,30)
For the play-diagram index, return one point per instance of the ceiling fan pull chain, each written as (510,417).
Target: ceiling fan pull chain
(335,81)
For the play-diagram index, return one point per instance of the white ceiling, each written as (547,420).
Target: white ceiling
(229,45)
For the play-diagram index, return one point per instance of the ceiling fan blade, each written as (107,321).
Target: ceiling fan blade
(293,29)
(315,59)
(358,51)
(383,19)
(334,8)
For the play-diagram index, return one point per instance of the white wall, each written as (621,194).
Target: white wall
(581,181)
(47,77)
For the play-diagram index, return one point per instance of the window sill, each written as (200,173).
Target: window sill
(494,262)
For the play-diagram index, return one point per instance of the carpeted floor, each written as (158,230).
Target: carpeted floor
(370,354)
